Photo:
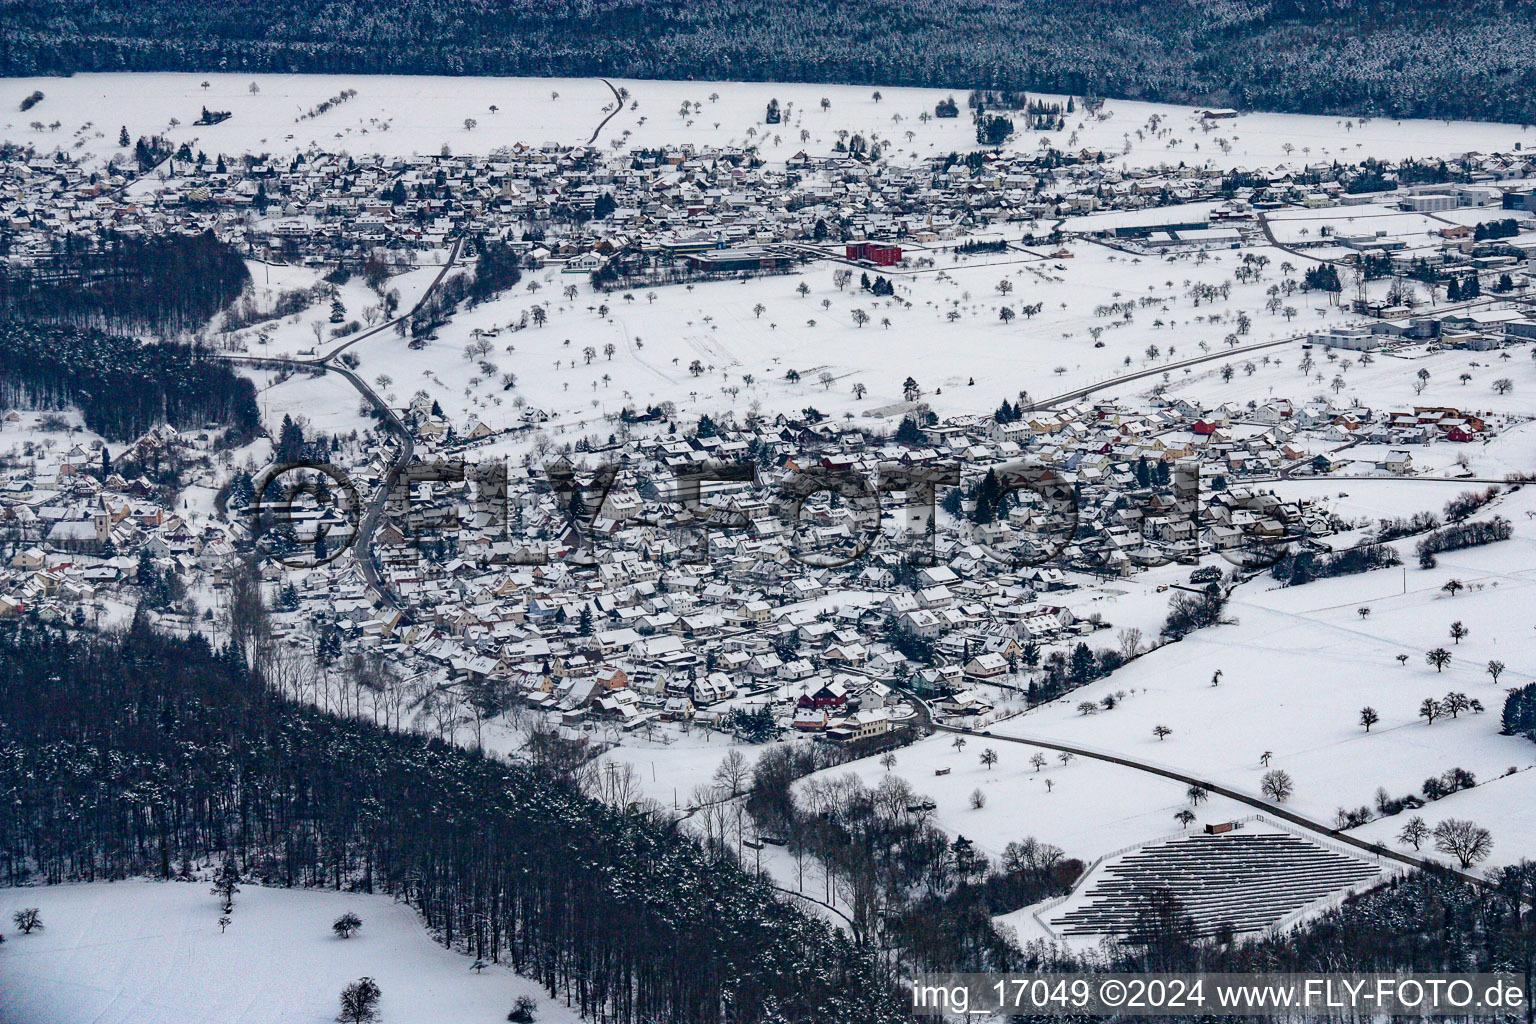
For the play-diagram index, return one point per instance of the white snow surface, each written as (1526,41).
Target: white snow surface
(409,114)
(140,952)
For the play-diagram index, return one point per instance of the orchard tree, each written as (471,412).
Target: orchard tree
(1414,833)
(1277,785)
(359,1002)
(1468,842)
(1455,703)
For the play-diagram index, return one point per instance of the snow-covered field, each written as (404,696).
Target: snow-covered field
(1089,809)
(412,114)
(1301,662)
(152,953)
(943,327)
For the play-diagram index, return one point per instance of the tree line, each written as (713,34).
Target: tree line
(121,387)
(1378,57)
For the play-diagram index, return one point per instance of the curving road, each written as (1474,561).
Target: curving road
(618,105)
(373,509)
(452,261)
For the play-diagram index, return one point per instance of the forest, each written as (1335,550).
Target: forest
(142,754)
(159,284)
(1424,58)
(121,387)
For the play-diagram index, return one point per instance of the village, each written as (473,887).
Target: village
(579,206)
(1103,491)
(651,607)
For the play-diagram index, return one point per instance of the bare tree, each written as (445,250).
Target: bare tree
(1467,841)
(1414,833)
(1277,785)
(359,1002)
(733,772)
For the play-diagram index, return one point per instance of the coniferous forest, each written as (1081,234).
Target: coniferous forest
(1470,58)
(126,756)
(122,388)
(153,283)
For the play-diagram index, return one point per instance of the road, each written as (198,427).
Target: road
(1267,807)
(373,508)
(452,261)
(618,105)
(1086,390)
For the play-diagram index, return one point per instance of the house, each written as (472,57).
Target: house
(832,694)
(986,666)
(809,719)
(586,263)
(861,725)
(677,709)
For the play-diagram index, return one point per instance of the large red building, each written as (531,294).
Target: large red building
(881,254)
